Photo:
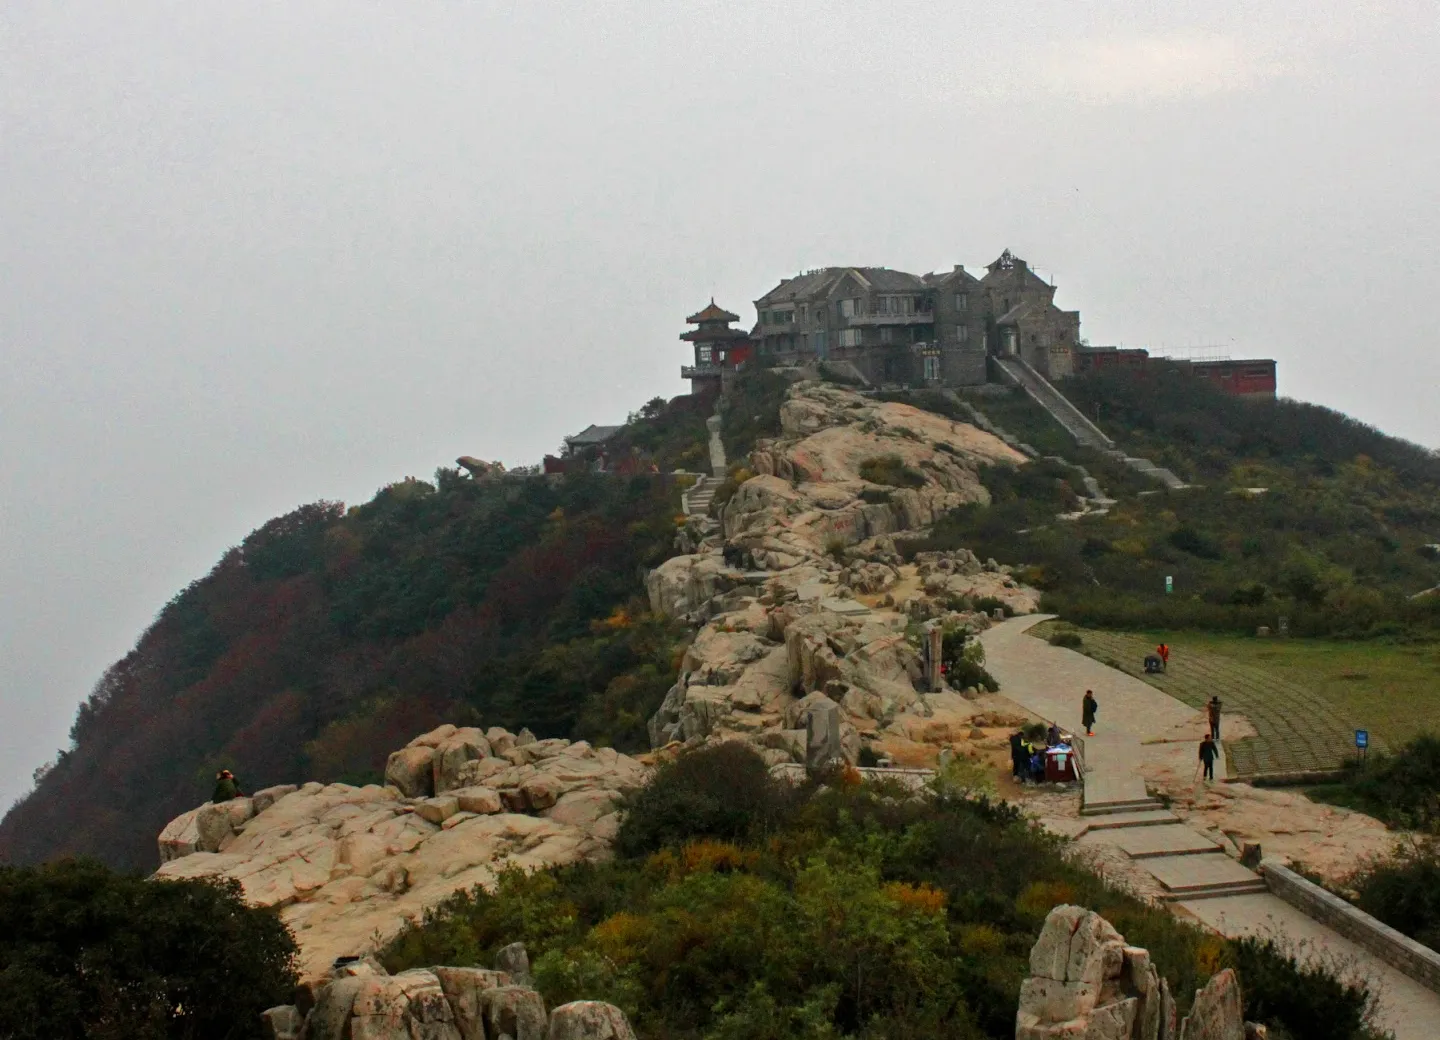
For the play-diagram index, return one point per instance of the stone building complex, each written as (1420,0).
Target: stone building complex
(946,329)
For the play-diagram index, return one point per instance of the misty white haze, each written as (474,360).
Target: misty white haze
(254,255)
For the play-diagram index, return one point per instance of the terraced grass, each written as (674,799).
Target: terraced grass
(1305,697)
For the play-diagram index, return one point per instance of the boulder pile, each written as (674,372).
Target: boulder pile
(351,865)
(800,598)
(359,1000)
(1086,982)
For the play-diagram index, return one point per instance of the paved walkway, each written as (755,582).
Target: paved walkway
(1051,681)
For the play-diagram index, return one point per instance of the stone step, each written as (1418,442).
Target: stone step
(1145,818)
(1244,888)
(1171,840)
(1204,876)
(1138,805)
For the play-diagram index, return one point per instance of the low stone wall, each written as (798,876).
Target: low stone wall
(1399,951)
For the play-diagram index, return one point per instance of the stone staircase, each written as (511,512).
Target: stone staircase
(1074,422)
(1085,432)
(695,500)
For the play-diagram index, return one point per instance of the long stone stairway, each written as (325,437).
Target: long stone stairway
(1085,432)
(697,498)
(1073,421)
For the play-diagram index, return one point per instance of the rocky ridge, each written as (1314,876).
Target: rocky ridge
(349,866)
(801,600)
(360,1000)
(1087,982)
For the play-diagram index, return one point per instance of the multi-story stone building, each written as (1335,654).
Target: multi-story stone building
(938,329)
(896,327)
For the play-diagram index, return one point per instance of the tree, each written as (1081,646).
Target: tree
(89,953)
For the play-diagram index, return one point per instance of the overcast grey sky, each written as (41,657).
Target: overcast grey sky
(257,254)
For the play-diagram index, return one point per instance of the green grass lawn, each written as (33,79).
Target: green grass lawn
(1305,697)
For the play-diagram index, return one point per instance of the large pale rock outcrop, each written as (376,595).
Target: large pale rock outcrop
(589,1020)
(441,1003)
(347,865)
(1086,983)
(803,592)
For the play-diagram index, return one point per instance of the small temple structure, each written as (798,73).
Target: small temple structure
(719,349)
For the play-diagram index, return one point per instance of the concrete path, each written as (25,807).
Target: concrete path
(1051,681)
(1407,1008)
(1215,889)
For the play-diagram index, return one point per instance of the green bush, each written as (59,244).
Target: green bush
(891,470)
(852,911)
(1068,638)
(86,952)
(725,791)
(1404,890)
(1400,789)
(1299,1000)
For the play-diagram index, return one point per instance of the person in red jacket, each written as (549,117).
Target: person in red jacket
(1164,652)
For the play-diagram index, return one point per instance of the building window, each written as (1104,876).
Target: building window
(932,370)
(820,343)
(962,333)
(849,308)
(850,337)
(702,354)
(887,334)
(804,341)
(962,302)
(804,312)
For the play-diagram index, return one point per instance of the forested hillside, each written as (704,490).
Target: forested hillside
(330,636)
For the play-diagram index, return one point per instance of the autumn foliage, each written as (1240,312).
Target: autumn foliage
(331,636)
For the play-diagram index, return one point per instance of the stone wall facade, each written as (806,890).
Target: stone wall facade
(933,329)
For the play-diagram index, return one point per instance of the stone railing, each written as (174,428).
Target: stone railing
(1399,951)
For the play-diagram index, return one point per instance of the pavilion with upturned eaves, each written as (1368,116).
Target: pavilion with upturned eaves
(718,348)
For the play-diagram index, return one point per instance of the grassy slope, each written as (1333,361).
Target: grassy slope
(1305,697)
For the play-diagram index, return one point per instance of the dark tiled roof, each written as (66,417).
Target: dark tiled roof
(712,313)
(812,283)
(594,435)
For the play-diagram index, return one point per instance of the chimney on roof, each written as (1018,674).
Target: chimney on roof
(959,269)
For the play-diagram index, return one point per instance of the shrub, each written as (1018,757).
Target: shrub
(725,791)
(1404,890)
(1401,789)
(990,604)
(1305,1000)
(892,471)
(86,952)
(1067,637)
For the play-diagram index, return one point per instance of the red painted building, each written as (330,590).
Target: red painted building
(1249,377)
(719,349)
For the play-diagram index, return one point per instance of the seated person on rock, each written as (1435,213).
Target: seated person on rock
(226,787)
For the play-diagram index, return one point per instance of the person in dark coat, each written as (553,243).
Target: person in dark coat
(1213,707)
(226,787)
(1208,752)
(1052,735)
(1088,707)
(1019,759)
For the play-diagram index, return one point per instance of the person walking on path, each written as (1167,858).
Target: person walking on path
(226,787)
(1214,709)
(1088,707)
(1164,652)
(1208,751)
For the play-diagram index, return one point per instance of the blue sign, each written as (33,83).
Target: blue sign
(1362,739)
